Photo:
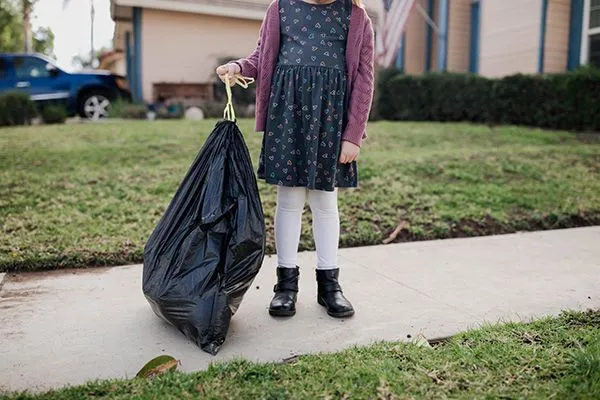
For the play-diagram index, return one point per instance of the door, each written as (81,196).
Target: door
(6,81)
(43,82)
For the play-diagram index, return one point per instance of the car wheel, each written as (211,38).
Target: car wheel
(94,105)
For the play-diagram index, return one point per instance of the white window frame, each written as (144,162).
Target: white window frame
(587,32)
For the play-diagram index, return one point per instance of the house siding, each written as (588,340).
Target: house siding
(434,41)
(557,36)
(459,33)
(414,62)
(185,47)
(121,28)
(510,37)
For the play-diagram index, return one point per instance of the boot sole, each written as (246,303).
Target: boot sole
(344,314)
(276,313)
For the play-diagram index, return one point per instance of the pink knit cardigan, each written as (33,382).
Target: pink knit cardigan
(359,64)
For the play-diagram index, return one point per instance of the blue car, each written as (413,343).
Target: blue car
(88,95)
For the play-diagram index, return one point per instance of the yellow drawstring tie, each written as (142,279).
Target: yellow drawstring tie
(229,113)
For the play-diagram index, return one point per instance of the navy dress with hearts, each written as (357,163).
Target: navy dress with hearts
(308,103)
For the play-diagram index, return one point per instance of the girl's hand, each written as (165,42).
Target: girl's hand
(349,152)
(230,69)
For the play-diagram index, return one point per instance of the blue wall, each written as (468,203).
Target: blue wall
(429,36)
(442,44)
(136,78)
(575,31)
(542,48)
(129,59)
(475,36)
(401,57)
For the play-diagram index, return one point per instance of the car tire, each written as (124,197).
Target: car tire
(94,105)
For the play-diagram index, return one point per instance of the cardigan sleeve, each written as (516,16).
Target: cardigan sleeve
(361,97)
(249,65)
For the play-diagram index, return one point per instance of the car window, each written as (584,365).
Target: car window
(30,67)
(3,69)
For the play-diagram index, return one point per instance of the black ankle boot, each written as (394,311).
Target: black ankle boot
(330,294)
(284,301)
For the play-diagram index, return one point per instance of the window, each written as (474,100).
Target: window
(594,14)
(594,54)
(30,67)
(3,69)
(590,43)
(594,34)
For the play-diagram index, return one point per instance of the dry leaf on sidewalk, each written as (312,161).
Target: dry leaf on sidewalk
(421,341)
(158,366)
(396,232)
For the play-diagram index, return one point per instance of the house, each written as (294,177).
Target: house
(172,47)
(501,37)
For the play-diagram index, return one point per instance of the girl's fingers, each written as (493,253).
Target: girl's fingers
(343,158)
(231,70)
(227,71)
(221,70)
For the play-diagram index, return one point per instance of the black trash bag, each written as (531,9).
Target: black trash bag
(209,245)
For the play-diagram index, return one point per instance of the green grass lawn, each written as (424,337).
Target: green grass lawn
(90,194)
(549,359)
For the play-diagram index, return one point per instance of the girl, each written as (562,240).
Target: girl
(314,71)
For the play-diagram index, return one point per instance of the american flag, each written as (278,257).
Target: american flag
(391,29)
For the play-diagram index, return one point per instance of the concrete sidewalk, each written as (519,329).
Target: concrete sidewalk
(68,327)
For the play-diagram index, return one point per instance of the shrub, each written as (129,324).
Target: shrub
(16,109)
(173,111)
(559,101)
(213,109)
(437,97)
(126,110)
(382,79)
(243,97)
(53,114)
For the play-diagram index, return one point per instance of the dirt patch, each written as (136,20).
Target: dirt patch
(464,228)
(38,275)
(8,295)
(486,226)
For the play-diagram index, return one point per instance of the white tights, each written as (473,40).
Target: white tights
(288,225)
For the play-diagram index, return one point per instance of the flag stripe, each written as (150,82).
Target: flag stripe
(395,26)
(394,29)
(391,29)
(397,30)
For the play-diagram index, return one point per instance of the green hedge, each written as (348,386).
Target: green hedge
(53,114)
(382,79)
(16,109)
(568,101)
(126,110)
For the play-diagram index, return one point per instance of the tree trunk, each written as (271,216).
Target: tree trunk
(93,12)
(28,34)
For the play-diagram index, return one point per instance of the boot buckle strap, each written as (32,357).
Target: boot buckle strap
(285,287)
(330,287)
